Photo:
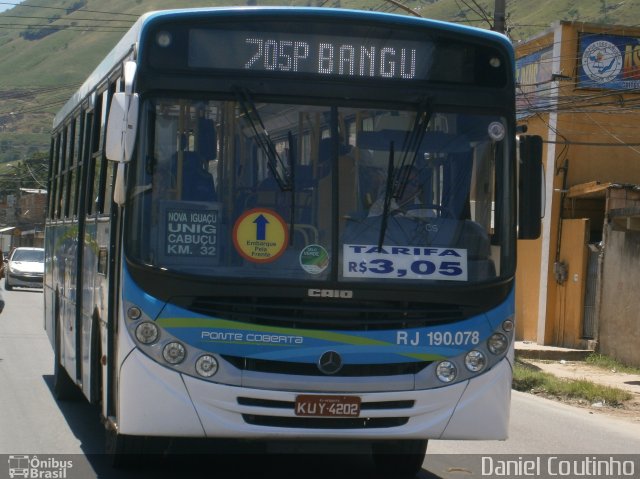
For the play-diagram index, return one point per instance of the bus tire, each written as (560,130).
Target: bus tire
(123,450)
(399,459)
(64,389)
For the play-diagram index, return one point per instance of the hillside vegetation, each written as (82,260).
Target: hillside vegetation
(47,51)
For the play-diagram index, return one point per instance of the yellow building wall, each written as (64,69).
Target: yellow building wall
(586,134)
(527,289)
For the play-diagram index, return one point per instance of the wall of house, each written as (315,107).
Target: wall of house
(619,321)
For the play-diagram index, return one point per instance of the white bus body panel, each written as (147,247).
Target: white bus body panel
(160,406)
(483,410)
(167,403)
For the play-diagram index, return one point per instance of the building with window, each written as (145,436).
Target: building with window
(22,218)
(579,88)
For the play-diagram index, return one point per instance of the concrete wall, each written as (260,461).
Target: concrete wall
(619,321)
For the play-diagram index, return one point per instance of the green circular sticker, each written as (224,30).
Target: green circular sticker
(314,259)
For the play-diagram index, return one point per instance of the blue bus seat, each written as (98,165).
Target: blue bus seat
(197,182)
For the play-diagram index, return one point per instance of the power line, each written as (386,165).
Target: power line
(67,9)
(94,28)
(61,18)
(82,28)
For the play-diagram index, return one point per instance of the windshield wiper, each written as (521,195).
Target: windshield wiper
(411,145)
(387,198)
(274,161)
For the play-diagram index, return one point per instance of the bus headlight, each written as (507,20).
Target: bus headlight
(475,361)
(174,352)
(446,371)
(497,343)
(147,332)
(206,366)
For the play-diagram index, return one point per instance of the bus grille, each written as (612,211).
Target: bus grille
(325,423)
(309,369)
(309,314)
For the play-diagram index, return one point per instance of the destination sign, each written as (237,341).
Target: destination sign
(189,233)
(299,53)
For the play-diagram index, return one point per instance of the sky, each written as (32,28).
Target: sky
(7,5)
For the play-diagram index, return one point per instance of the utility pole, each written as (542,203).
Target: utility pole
(499,15)
(402,6)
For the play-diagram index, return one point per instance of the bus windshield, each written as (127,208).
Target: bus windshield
(240,188)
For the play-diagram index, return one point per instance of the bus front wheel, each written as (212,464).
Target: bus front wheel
(123,450)
(64,389)
(399,459)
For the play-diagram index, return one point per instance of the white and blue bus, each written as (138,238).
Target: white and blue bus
(291,224)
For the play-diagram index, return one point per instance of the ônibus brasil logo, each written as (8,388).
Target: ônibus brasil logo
(33,467)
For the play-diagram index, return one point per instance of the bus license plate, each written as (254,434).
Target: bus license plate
(327,406)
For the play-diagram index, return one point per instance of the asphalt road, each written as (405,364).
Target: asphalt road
(33,423)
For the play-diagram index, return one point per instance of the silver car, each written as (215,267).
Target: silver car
(25,267)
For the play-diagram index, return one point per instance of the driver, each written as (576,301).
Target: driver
(408,204)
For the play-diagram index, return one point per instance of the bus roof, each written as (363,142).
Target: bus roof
(130,40)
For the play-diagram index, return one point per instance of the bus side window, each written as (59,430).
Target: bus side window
(91,138)
(110,168)
(72,175)
(60,175)
(53,167)
(104,191)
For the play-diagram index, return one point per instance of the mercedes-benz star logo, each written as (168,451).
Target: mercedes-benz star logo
(330,362)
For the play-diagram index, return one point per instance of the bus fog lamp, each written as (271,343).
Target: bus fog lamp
(206,366)
(446,371)
(475,361)
(134,313)
(147,332)
(174,352)
(497,343)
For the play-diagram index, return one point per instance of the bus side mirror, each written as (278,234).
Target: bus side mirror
(121,127)
(530,187)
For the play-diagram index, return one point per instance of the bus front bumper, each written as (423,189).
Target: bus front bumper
(162,402)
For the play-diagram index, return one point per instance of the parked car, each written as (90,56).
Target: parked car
(24,267)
